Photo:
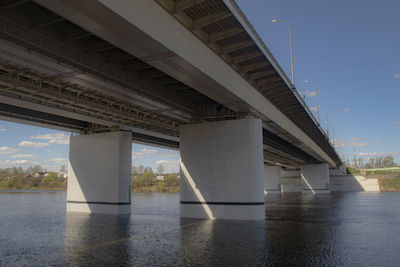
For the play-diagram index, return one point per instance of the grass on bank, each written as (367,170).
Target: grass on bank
(389,184)
(381,172)
(147,183)
(140,183)
(351,170)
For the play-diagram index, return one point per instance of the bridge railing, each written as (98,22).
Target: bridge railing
(316,122)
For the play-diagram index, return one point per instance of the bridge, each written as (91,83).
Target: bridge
(191,75)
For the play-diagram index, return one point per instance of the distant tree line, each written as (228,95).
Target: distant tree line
(372,163)
(19,178)
(145,180)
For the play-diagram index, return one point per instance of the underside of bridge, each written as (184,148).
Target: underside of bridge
(58,73)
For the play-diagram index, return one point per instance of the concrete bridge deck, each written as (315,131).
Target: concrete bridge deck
(152,68)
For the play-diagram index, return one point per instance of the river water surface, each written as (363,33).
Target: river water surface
(341,229)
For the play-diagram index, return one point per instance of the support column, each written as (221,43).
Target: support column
(315,178)
(272,179)
(222,174)
(99,173)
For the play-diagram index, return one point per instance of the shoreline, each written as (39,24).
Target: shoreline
(148,189)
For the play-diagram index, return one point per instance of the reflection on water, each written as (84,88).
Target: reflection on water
(216,243)
(89,237)
(348,229)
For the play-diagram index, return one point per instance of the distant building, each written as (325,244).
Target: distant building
(40,174)
(62,174)
(160,178)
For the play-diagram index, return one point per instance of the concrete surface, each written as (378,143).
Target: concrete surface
(222,175)
(315,178)
(99,173)
(272,179)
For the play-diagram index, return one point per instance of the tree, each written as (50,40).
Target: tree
(63,168)
(171,180)
(32,169)
(147,178)
(134,170)
(49,181)
(372,162)
(379,162)
(160,168)
(140,169)
(148,169)
(389,162)
(360,162)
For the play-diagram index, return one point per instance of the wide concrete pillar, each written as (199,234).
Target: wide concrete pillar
(272,179)
(99,173)
(222,174)
(315,178)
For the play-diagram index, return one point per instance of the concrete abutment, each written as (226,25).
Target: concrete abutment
(99,173)
(315,178)
(222,175)
(272,179)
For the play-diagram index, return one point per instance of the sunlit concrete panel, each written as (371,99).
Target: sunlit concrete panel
(99,173)
(272,179)
(315,178)
(222,175)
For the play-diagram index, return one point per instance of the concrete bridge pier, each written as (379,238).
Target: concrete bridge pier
(315,178)
(222,174)
(99,173)
(272,179)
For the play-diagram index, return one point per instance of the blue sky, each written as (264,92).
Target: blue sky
(24,145)
(349,50)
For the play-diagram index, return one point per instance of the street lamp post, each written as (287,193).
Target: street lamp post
(291,46)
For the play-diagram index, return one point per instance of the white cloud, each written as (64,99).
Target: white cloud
(149,151)
(54,138)
(137,155)
(3,129)
(314,109)
(353,144)
(374,154)
(308,93)
(26,156)
(21,161)
(169,165)
(17,162)
(396,76)
(7,150)
(397,123)
(355,138)
(33,144)
(162,162)
(142,153)
(170,153)
(346,109)
(59,160)
(305,81)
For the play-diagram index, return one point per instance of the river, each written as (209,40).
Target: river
(341,229)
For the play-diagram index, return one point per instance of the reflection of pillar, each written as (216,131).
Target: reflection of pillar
(97,239)
(99,173)
(223,243)
(222,173)
(272,179)
(315,178)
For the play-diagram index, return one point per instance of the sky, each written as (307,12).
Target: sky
(25,145)
(349,50)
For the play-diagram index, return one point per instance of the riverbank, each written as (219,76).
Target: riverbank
(155,188)
(159,188)
(389,184)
